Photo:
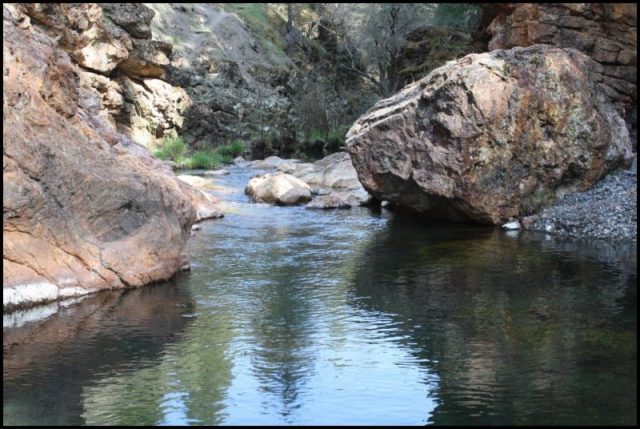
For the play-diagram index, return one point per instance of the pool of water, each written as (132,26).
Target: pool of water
(293,316)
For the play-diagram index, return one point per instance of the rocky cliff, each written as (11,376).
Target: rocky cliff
(252,79)
(84,208)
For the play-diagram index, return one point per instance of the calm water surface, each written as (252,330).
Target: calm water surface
(292,316)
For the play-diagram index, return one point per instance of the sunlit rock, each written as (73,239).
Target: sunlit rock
(490,136)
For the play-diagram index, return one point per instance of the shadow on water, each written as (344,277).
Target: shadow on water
(519,328)
(119,331)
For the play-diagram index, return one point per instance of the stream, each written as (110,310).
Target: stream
(294,316)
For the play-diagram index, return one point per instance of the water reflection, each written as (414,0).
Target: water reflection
(343,317)
(520,330)
(48,363)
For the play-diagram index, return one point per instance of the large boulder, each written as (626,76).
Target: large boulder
(490,136)
(84,208)
(607,32)
(278,188)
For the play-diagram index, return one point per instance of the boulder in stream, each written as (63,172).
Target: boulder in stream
(491,136)
(278,188)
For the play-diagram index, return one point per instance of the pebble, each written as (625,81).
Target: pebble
(609,210)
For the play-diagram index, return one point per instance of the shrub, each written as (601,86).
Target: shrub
(316,134)
(231,150)
(171,148)
(203,159)
(335,140)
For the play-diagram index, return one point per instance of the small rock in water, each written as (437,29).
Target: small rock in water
(320,191)
(511,225)
(219,172)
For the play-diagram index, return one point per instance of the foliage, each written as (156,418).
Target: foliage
(316,135)
(372,36)
(203,159)
(171,148)
(264,22)
(175,149)
(232,150)
(462,16)
(336,137)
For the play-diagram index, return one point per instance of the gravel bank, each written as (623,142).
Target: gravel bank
(609,210)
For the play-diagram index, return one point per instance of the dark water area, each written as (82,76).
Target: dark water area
(293,316)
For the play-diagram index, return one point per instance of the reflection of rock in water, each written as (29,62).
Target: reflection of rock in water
(114,330)
(517,327)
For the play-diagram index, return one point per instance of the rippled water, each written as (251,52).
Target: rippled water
(291,316)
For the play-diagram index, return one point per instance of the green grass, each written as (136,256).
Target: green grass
(171,148)
(316,135)
(175,149)
(231,150)
(203,159)
(336,137)
(537,200)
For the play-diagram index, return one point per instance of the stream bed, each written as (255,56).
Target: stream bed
(296,316)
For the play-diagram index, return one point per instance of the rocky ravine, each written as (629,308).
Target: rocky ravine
(84,208)
(491,136)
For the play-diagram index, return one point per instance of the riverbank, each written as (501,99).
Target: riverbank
(609,210)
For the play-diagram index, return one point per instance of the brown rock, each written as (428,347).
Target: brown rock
(135,18)
(83,208)
(605,31)
(207,206)
(334,200)
(81,32)
(490,136)
(278,188)
(147,58)
(153,104)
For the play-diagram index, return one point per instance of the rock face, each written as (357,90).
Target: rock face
(111,42)
(491,136)
(84,208)
(278,188)
(607,32)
